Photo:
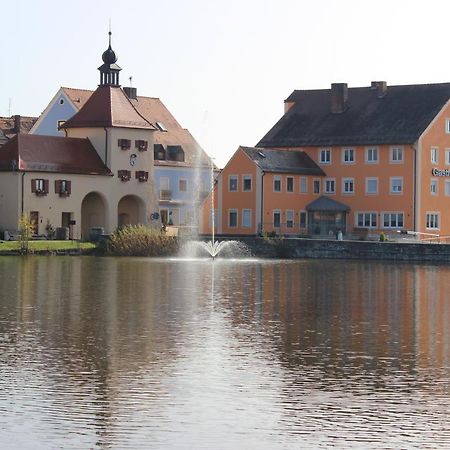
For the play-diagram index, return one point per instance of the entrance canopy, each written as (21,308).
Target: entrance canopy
(327,204)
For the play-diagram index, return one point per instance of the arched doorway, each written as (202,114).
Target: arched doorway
(93,213)
(130,211)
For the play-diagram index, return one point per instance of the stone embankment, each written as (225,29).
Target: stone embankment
(360,250)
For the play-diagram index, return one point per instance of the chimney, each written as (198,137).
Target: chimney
(131,92)
(16,123)
(380,87)
(339,97)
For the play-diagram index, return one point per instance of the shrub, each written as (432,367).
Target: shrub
(25,232)
(138,240)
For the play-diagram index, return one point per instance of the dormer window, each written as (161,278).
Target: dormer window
(175,153)
(39,186)
(141,175)
(63,188)
(141,145)
(124,144)
(124,175)
(159,152)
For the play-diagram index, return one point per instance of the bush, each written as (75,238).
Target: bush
(138,240)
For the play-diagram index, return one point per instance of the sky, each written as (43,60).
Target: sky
(222,67)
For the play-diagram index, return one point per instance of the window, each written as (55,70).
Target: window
(159,153)
(447,126)
(434,155)
(164,189)
(232,183)
(141,145)
(160,126)
(247,183)
(175,153)
(447,188)
(433,187)
(302,219)
(372,186)
(290,184)
(289,218)
(396,185)
(61,123)
(63,188)
(182,185)
(366,219)
(303,185)
(39,186)
(447,157)
(325,156)
(372,155)
(277,184)
(348,155)
(330,185)
(232,218)
(432,221)
(124,144)
(316,186)
(277,219)
(396,155)
(141,176)
(246,218)
(124,175)
(61,101)
(393,220)
(348,185)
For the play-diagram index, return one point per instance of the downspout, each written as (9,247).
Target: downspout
(22,194)
(262,201)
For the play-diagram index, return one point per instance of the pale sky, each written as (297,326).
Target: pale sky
(222,67)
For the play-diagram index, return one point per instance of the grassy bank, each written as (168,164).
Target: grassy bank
(46,246)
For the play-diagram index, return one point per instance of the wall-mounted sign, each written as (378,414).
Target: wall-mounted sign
(440,172)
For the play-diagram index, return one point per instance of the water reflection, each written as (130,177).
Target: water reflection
(141,353)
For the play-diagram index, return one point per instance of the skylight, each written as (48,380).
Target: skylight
(160,126)
(261,154)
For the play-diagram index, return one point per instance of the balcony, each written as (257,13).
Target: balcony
(165,194)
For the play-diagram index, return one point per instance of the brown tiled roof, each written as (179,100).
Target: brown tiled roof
(108,106)
(10,126)
(153,110)
(38,153)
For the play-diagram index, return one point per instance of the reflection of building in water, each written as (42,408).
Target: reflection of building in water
(354,315)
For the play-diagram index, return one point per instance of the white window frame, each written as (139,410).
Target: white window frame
(179,184)
(434,155)
(396,155)
(370,151)
(325,156)
(344,182)
(393,188)
(290,219)
(331,182)
(447,188)
(432,219)
(396,215)
(276,179)
(347,151)
(447,126)
(368,179)
(246,213)
(447,156)
(300,219)
(370,215)
(303,185)
(434,186)
(276,211)
(234,211)
(245,178)
(233,178)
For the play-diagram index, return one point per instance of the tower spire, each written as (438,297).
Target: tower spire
(109,70)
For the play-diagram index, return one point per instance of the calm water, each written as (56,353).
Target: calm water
(141,353)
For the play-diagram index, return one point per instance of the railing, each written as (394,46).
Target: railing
(165,194)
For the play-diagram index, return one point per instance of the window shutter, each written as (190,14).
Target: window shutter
(33,185)
(57,186)
(46,185)
(69,187)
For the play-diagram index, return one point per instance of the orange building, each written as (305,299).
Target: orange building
(357,160)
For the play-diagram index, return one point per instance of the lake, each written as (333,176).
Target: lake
(130,353)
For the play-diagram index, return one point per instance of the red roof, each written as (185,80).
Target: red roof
(108,106)
(36,153)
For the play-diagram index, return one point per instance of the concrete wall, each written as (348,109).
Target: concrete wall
(360,250)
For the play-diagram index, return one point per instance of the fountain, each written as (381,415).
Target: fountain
(214,248)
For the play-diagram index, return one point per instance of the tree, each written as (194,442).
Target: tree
(26,228)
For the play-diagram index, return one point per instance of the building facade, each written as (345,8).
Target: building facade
(384,154)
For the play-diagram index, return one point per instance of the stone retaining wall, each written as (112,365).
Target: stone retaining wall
(363,250)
